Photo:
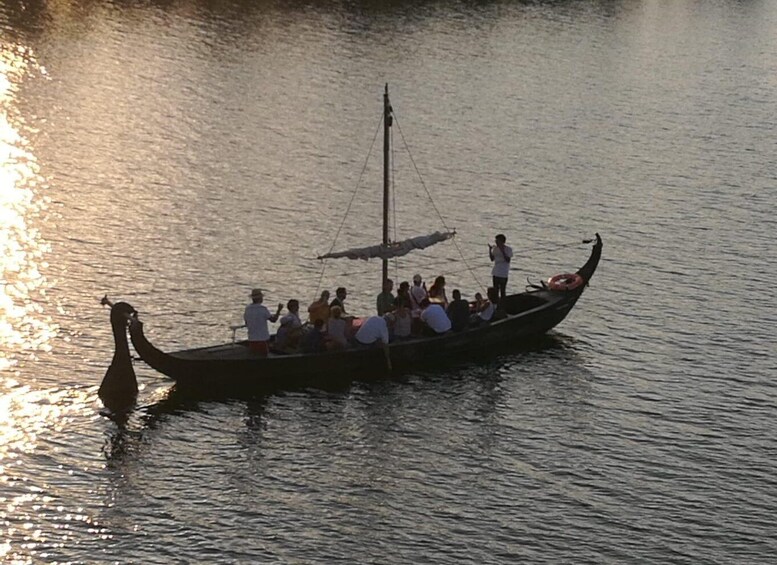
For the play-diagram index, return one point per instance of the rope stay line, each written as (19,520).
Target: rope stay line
(394,199)
(350,203)
(478,262)
(434,205)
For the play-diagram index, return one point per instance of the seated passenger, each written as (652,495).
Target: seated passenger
(374,330)
(458,312)
(435,317)
(335,333)
(319,310)
(313,340)
(403,320)
(487,308)
(288,335)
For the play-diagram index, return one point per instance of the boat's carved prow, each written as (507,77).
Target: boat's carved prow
(587,270)
(119,388)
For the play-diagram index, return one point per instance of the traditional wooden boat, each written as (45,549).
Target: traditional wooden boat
(232,368)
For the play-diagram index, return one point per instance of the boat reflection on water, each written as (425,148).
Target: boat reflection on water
(552,369)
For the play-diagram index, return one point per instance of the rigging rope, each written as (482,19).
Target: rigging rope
(287,279)
(429,194)
(350,203)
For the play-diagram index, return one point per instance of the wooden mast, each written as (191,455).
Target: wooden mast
(387,122)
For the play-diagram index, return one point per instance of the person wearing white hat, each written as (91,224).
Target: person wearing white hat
(256,317)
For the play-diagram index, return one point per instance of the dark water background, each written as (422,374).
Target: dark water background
(176,154)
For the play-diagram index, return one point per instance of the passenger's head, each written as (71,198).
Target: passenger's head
(424,303)
(500,238)
(456,294)
(478,296)
(404,286)
(293,305)
(493,294)
(417,279)
(439,281)
(341,293)
(256,296)
(324,296)
(388,285)
(336,312)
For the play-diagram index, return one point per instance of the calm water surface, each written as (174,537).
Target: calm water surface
(177,154)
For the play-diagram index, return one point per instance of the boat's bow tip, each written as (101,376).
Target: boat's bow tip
(587,270)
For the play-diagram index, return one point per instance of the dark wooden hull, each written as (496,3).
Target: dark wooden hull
(233,368)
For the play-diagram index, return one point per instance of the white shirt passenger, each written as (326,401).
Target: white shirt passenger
(436,318)
(487,313)
(501,265)
(372,330)
(291,320)
(417,294)
(256,317)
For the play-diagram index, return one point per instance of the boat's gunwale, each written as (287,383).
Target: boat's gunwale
(552,299)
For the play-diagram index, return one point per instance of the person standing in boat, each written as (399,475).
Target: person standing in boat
(319,310)
(500,254)
(339,300)
(437,292)
(385,302)
(417,293)
(256,317)
(403,292)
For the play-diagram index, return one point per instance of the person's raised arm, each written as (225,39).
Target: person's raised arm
(274,317)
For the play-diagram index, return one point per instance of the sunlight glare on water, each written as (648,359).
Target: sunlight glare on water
(175,155)
(23,323)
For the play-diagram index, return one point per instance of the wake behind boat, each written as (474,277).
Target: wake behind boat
(233,368)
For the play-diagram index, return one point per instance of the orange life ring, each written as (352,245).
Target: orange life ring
(566,281)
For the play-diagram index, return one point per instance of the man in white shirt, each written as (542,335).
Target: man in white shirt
(374,330)
(256,317)
(417,293)
(501,255)
(435,317)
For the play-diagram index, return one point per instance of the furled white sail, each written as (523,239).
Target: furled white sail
(394,249)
